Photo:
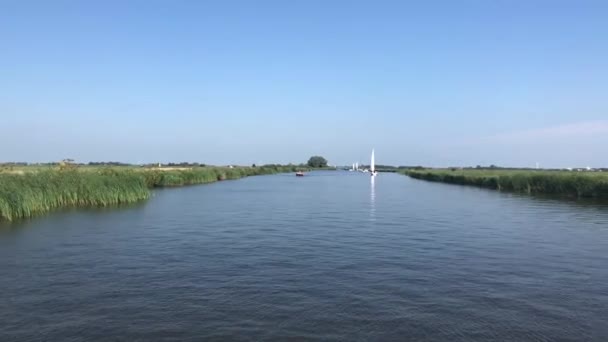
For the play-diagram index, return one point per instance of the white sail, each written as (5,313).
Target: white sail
(372,164)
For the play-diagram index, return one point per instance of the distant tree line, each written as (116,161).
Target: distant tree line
(111,163)
(182,164)
(186,164)
(313,162)
(13,164)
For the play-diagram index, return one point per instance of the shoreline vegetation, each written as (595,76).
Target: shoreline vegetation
(562,183)
(31,191)
(28,191)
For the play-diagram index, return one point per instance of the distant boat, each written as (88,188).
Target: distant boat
(372,165)
(300,174)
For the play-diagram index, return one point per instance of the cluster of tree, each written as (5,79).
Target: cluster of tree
(317,162)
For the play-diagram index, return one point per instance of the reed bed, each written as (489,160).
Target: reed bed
(30,193)
(565,183)
(159,178)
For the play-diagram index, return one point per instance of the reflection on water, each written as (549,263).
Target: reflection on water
(372,211)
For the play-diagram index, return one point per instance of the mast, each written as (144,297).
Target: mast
(372,165)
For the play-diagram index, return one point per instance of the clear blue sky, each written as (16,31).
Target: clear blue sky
(425,82)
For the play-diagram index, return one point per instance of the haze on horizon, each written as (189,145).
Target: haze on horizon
(432,83)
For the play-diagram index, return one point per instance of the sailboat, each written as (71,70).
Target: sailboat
(372,165)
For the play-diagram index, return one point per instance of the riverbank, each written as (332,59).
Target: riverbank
(563,183)
(31,192)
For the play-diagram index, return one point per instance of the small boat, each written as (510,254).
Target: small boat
(300,174)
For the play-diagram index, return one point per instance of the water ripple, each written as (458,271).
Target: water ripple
(328,257)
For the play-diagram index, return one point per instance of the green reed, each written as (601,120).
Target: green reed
(36,191)
(32,193)
(567,183)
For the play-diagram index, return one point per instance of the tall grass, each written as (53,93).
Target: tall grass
(573,184)
(159,178)
(30,193)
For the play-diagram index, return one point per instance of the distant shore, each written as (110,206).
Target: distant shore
(564,183)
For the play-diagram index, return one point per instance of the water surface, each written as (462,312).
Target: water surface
(329,256)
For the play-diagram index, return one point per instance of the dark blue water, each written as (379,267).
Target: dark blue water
(328,256)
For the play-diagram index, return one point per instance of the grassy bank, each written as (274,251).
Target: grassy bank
(159,178)
(29,192)
(33,193)
(565,183)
